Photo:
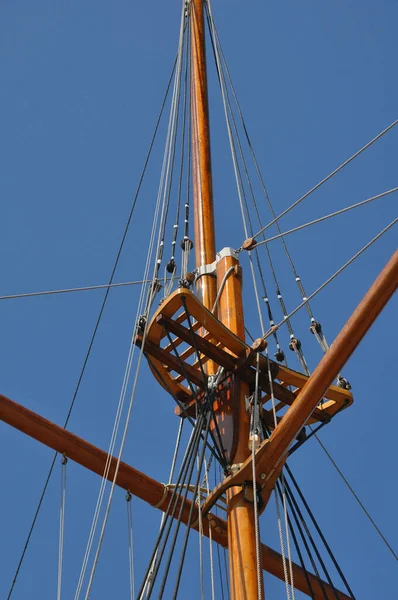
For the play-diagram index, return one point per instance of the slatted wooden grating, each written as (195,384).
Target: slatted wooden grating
(172,344)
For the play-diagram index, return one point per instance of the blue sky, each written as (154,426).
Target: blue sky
(80,88)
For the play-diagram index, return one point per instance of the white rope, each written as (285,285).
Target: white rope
(118,418)
(283,498)
(213,595)
(64,460)
(131,543)
(148,583)
(287,531)
(157,224)
(282,543)
(200,527)
(255,444)
(334,214)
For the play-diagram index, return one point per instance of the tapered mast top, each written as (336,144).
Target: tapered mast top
(205,247)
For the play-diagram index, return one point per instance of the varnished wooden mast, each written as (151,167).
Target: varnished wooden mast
(241,523)
(205,245)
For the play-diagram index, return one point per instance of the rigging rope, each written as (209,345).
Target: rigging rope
(318,185)
(320,219)
(183,481)
(355,495)
(131,544)
(166,525)
(206,479)
(77,289)
(64,461)
(90,346)
(151,294)
(171,265)
(321,287)
(163,518)
(158,223)
(318,529)
(295,343)
(255,442)
(188,529)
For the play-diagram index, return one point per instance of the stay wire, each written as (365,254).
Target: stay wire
(205,381)
(171,475)
(255,439)
(290,260)
(312,541)
(340,270)
(76,289)
(193,391)
(188,530)
(94,332)
(170,512)
(220,570)
(207,466)
(297,546)
(250,187)
(319,531)
(131,542)
(64,461)
(303,527)
(183,136)
(360,503)
(278,292)
(320,219)
(122,398)
(185,479)
(169,153)
(183,410)
(318,185)
(175,498)
(158,221)
(173,145)
(177,528)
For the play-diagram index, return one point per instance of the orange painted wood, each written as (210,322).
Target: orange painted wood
(332,362)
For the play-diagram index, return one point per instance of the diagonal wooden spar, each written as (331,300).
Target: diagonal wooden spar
(141,486)
(332,362)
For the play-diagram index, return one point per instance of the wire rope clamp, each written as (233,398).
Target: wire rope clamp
(249,244)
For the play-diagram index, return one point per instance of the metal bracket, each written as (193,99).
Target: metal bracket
(227,251)
(210,269)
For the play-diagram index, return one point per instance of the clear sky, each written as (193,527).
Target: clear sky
(80,88)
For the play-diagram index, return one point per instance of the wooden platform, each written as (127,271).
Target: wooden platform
(173,364)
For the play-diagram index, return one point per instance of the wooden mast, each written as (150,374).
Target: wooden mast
(205,244)
(240,509)
(241,523)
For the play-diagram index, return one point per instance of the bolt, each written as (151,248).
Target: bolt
(262,475)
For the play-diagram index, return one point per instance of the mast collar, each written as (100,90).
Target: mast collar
(210,269)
